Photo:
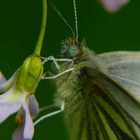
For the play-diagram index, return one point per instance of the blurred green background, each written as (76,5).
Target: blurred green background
(19,29)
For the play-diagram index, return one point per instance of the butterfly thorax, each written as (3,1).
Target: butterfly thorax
(70,86)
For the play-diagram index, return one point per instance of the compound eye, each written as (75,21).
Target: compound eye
(70,49)
(73,51)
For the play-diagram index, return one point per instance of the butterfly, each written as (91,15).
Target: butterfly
(100,96)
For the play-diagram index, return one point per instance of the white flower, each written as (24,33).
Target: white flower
(18,97)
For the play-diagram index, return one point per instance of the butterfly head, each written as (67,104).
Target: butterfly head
(71,49)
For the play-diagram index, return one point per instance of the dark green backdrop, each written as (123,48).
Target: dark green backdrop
(19,29)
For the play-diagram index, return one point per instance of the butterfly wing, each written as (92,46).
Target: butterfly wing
(124,68)
(107,109)
(115,112)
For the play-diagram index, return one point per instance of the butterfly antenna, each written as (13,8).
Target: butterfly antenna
(62,17)
(76,21)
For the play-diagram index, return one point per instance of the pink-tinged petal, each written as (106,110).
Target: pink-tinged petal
(10,102)
(18,134)
(5,85)
(33,106)
(113,5)
(2,78)
(26,130)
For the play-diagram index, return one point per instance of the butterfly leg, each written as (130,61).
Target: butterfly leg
(55,76)
(55,61)
(47,107)
(50,114)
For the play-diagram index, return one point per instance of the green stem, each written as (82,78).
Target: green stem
(42,31)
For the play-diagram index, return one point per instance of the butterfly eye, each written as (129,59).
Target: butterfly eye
(70,49)
(70,52)
(73,51)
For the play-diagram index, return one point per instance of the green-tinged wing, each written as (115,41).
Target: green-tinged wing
(116,123)
(119,99)
(124,68)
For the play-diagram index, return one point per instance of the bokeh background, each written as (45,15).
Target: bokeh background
(19,28)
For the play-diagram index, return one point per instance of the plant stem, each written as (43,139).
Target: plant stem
(42,31)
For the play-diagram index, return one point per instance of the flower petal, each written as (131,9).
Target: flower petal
(10,102)
(113,5)
(18,134)
(26,130)
(2,78)
(33,106)
(5,85)
(29,127)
